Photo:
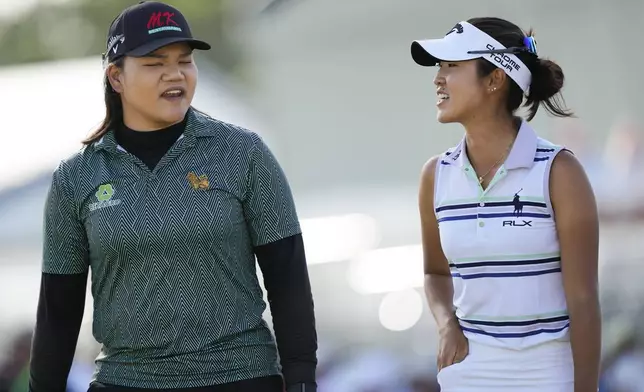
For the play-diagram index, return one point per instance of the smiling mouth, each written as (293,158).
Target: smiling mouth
(442,97)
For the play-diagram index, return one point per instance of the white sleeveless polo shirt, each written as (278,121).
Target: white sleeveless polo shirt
(502,246)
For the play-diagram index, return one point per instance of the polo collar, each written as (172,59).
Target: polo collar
(521,155)
(193,130)
(524,148)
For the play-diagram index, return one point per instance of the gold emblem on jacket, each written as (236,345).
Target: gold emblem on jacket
(198,182)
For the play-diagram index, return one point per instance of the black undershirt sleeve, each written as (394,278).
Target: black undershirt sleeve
(286,278)
(60,313)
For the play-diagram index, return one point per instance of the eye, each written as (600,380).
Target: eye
(448,65)
(154,65)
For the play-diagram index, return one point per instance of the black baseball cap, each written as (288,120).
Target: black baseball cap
(146,27)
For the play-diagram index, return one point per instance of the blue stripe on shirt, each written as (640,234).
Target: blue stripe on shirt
(506,274)
(493,215)
(517,334)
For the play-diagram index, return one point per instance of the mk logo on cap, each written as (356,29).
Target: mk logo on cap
(162,21)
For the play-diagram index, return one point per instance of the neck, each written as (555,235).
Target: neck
(140,123)
(488,139)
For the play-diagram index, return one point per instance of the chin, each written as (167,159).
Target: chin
(174,115)
(445,118)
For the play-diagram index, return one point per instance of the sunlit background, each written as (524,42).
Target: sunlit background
(331,87)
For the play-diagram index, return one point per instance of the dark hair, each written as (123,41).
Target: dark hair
(113,108)
(547,76)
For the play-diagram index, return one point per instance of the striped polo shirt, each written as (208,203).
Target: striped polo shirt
(177,302)
(502,246)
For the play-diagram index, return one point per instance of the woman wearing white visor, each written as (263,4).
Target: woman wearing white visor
(509,223)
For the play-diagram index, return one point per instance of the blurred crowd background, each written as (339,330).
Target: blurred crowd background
(331,87)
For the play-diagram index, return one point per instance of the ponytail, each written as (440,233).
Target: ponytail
(113,109)
(547,82)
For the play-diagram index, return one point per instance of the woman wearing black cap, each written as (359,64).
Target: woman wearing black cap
(169,208)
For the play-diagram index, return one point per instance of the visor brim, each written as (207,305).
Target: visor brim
(150,47)
(430,52)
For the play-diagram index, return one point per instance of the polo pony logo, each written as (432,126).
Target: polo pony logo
(518,205)
(518,211)
(198,182)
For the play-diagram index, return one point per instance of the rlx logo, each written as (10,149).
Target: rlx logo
(514,223)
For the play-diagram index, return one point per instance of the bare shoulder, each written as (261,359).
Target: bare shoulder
(426,188)
(568,173)
(429,170)
(566,164)
(570,187)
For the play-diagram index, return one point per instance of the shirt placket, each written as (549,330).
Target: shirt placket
(482,194)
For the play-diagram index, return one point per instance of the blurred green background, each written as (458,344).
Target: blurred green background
(54,31)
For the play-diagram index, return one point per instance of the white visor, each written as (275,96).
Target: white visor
(458,44)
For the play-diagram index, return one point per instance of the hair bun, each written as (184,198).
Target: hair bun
(547,79)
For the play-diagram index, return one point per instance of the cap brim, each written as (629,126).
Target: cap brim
(432,51)
(159,43)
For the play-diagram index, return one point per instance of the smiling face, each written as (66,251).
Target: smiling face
(461,91)
(157,89)
(464,94)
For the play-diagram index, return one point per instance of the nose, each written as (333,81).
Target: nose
(439,80)
(173,74)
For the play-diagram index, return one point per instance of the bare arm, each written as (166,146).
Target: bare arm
(578,230)
(438,280)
